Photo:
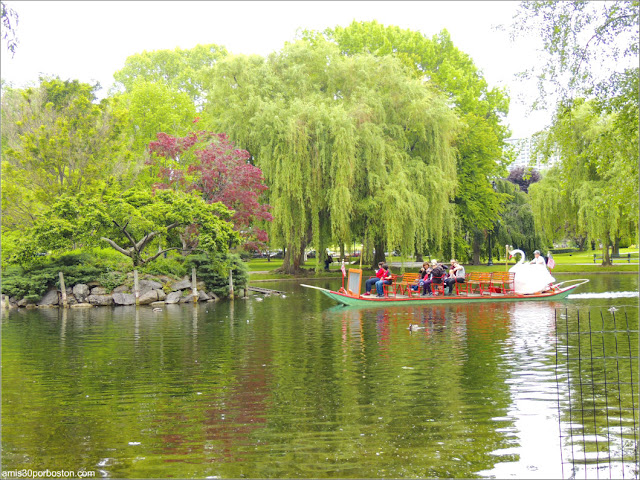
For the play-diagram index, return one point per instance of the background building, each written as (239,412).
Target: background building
(525,155)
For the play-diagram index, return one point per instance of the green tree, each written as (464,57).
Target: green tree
(131,222)
(156,107)
(349,146)
(481,110)
(56,140)
(516,226)
(598,176)
(591,48)
(183,70)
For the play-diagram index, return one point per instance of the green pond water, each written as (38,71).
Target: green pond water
(299,387)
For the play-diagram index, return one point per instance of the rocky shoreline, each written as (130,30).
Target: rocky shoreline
(92,294)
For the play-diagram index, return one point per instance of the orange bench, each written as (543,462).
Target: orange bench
(404,285)
(480,281)
(502,282)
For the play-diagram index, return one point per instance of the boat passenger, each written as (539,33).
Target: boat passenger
(385,280)
(437,272)
(538,259)
(456,274)
(425,271)
(368,285)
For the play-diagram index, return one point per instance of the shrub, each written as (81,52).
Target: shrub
(34,281)
(111,279)
(562,250)
(214,272)
(173,266)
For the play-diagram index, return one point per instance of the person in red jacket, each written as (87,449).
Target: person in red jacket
(368,285)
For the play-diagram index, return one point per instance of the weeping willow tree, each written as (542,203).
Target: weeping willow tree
(596,184)
(349,146)
(480,109)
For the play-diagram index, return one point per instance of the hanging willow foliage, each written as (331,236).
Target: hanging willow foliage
(349,146)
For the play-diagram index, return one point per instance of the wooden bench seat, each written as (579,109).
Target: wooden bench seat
(480,281)
(502,282)
(404,285)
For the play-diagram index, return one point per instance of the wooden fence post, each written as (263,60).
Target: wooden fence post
(231,284)
(194,286)
(136,287)
(63,289)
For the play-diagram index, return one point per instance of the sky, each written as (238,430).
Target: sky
(90,40)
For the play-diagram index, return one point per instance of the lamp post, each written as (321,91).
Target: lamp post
(493,226)
(490,262)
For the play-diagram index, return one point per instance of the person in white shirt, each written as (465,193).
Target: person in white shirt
(538,259)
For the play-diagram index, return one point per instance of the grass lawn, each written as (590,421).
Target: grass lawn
(577,262)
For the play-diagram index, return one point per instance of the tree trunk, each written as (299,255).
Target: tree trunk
(582,243)
(475,250)
(378,256)
(291,264)
(341,251)
(606,259)
(616,247)
(418,257)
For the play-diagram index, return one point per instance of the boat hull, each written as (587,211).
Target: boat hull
(361,301)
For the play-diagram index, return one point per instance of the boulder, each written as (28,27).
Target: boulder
(124,298)
(182,284)
(71,299)
(202,296)
(81,291)
(213,297)
(148,297)
(81,305)
(100,299)
(98,291)
(122,289)
(161,294)
(173,297)
(156,304)
(148,285)
(187,299)
(49,298)
(22,302)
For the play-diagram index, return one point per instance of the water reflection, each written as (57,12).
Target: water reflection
(285,388)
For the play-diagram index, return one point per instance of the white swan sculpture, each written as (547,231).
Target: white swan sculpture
(530,278)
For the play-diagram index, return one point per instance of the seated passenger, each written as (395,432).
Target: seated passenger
(437,272)
(368,285)
(385,280)
(456,274)
(419,282)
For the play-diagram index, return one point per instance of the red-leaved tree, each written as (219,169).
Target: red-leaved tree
(209,163)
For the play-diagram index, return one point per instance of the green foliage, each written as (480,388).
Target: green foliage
(214,271)
(110,279)
(516,226)
(56,141)
(153,108)
(34,282)
(348,145)
(589,47)
(129,221)
(173,266)
(594,189)
(180,70)
(481,110)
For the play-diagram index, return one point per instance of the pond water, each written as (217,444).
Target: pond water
(299,387)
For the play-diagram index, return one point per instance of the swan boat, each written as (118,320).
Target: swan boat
(537,280)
